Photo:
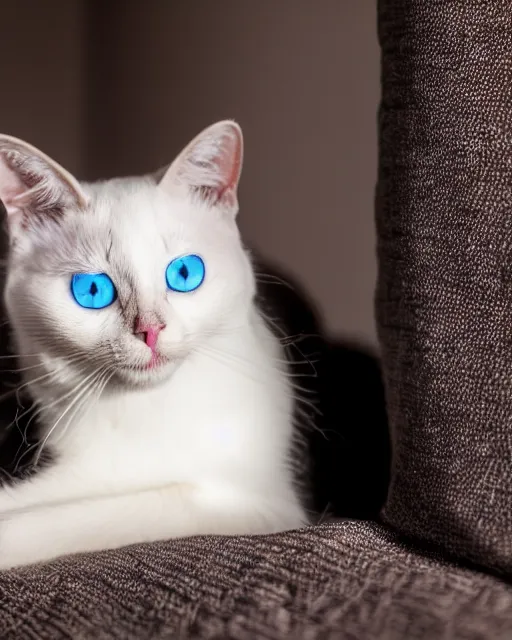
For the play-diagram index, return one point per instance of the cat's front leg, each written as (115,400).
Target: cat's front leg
(178,510)
(49,486)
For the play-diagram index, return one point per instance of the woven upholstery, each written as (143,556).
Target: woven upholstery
(344,580)
(444,300)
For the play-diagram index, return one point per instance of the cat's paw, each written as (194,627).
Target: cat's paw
(22,542)
(8,503)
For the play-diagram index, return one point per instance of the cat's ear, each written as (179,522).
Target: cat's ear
(31,183)
(209,167)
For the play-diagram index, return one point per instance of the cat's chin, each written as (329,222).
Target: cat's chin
(147,375)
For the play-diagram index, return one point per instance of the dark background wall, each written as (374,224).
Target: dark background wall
(118,86)
(43,90)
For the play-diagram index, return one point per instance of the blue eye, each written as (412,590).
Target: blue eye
(185,274)
(93,290)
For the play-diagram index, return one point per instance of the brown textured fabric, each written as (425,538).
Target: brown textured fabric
(444,300)
(346,580)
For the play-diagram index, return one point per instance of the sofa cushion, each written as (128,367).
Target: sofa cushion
(339,580)
(444,298)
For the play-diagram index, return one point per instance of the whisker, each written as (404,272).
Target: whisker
(31,368)
(57,401)
(46,376)
(228,359)
(220,357)
(280,331)
(13,356)
(304,407)
(96,389)
(84,394)
(28,355)
(63,414)
(22,433)
(26,384)
(290,340)
(233,357)
(25,441)
(269,278)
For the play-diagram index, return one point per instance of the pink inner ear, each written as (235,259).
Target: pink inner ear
(11,187)
(209,167)
(213,167)
(229,161)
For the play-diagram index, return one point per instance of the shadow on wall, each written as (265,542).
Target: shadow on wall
(349,444)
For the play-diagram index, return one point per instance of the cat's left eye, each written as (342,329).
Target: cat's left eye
(185,274)
(93,290)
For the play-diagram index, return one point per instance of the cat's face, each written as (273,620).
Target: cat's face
(129,276)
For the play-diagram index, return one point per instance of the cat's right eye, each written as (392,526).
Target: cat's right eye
(185,274)
(93,290)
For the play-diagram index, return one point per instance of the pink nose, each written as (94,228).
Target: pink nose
(149,331)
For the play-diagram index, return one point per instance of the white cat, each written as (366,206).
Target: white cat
(159,387)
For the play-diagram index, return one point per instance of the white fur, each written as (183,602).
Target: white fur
(200,445)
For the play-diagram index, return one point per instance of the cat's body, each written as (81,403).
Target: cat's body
(168,412)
